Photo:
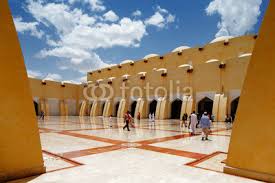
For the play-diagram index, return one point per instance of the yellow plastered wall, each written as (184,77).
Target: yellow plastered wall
(215,110)
(222,108)
(251,151)
(205,78)
(243,44)
(20,148)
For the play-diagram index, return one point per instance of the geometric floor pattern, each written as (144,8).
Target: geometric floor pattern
(84,149)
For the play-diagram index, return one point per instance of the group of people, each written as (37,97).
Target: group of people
(204,122)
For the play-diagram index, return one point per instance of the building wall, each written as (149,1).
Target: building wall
(52,93)
(206,80)
(218,50)
(251,151)
(20,147)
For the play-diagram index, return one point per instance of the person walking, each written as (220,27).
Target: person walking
(228,121)
(42,115)
(205,125)
(138,116)
(193,122)
(111,121)
(184,120)
(127,120)
(153,118)
(150,117)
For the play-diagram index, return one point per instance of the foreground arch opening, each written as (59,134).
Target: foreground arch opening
(102,108)
(36,108)
(234,107)
(116,109)
(90,108)
(176,109)
(133,108)
(153,107)
(205,105)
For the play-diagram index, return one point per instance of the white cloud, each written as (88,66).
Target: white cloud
(53,77)
(237,17)
(126,33)
(75,36)
(162,10)
(161,18)
(137,13)
(24,27)
(110,16)
(95,5)
(82,79)
(170,18)
(94,62)
(76,55)
(157,20)
(34,74)
(58,15)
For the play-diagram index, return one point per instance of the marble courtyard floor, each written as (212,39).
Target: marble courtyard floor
(89,150)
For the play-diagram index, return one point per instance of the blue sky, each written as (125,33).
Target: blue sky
(63,39)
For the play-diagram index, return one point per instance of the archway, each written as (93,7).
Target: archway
(102,108)
(36,108)
(133,108)
(176,109)
(90,108)
(205,105)
(116,109)
(234,107)
(153,107)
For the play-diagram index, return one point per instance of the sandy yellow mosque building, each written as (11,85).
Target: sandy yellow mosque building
(204,78)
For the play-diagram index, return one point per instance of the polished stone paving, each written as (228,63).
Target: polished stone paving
(84,149)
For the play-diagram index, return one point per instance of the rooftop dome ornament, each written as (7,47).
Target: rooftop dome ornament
(125,77)
(150,56)
(43,82)
(189,68)
(84,84)
(242,55)
(63,84)
(222,65)
(131,62)
(163,72)
(180,49)
(142,75)
(99,81)
(110,80)
(222,38)
(212,61)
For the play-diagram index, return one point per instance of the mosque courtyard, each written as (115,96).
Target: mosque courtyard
(84,149)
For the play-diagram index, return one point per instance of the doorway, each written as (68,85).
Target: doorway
(153,107)
(133,108)
(205,105)
(234,107)
(176,109)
